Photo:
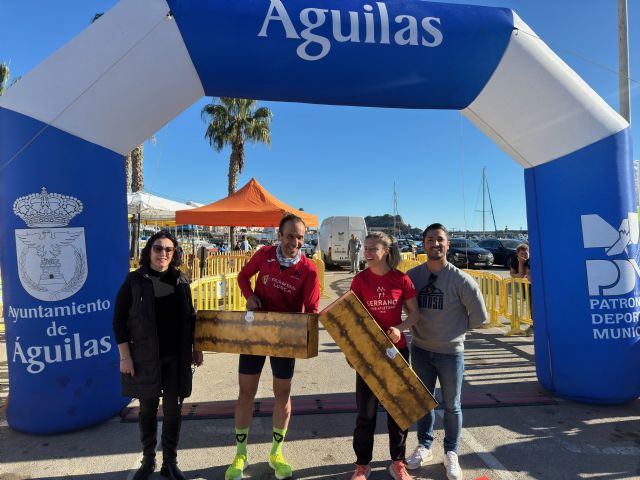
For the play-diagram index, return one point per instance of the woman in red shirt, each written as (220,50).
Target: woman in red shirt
(384,291)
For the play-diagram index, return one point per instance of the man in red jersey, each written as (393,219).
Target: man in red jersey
(287,282)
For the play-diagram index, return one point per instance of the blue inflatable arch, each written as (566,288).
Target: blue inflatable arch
(65,126)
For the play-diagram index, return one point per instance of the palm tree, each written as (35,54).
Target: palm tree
(4,77)
(234,121)
(134,168)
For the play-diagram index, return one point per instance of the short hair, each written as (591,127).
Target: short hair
(393,257)
(290,217)
(145,255)
(435,226)
(522,246)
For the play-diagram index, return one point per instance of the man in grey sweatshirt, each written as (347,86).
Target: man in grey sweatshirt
(451,303)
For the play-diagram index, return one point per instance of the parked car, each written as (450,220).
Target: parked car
(308,250)
(502,248)
(406,245)
(464,253)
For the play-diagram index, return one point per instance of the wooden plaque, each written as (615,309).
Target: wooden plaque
(378,362)
(293,335)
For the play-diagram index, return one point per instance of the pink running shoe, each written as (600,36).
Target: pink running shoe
(362,472)
(398,471)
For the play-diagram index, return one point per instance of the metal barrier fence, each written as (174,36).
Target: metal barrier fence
(491,288)
(517,304)
(215,264)
(218,292)
(507,297)
(407,256)
(319,262)
(407,264)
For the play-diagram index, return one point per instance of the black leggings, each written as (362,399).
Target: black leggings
(172,412)
(366,424)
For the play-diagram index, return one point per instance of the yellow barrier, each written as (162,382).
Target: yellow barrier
(517,304)
(490,286)
(406,255)
(216,264)
(507,297)
(421,257)
(317,260)
(407,264)
(219,292)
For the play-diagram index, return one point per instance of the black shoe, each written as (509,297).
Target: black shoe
(146,469)
(172,472)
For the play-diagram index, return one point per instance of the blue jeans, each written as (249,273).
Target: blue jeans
(449,369)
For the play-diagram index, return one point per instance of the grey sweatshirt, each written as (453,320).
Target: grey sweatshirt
(450,305)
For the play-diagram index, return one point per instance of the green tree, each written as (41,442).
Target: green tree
(233,122)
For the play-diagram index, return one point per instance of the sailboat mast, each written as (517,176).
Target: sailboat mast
(395,209)
(493,215)
(484,189)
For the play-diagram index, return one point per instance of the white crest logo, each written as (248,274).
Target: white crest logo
(381,292)
(611,277)
(52,262)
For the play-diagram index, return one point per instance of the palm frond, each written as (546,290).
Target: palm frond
(232,122)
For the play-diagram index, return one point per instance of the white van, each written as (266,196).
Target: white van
(335,233)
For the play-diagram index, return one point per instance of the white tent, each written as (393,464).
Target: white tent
(154,208)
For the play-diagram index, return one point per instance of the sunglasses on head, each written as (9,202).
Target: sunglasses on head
(160,249)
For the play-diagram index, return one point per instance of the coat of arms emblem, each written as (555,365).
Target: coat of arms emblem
(52,261)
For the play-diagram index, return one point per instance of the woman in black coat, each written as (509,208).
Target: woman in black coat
(154,321)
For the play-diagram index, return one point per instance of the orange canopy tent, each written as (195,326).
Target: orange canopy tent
(250,206)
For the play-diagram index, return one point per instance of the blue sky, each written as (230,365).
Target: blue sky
(342,160)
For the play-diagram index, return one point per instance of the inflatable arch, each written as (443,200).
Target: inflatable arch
(65,126)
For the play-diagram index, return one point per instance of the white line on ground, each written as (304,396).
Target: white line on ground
(498,469)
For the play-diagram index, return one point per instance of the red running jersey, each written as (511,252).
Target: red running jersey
(294,289)
(383,295)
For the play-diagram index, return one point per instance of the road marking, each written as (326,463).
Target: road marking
(499,470)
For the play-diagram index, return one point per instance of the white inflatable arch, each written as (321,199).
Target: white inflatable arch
(65,126)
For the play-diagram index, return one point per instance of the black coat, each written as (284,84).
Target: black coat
(143,335)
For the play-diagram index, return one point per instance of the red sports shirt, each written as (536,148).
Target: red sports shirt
(287,290)
(383,295)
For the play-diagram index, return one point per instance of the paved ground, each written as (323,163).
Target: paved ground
(566,440)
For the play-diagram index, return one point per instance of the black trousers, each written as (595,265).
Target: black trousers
(367,404)
(172,411)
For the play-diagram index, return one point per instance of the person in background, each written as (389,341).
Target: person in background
(287,282)
(384,291)
(353,250)
(154,323)
(203,256)
(244,244)
(451,303)
(519,266)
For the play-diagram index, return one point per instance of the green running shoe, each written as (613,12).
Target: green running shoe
(280,466)
(234,472)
